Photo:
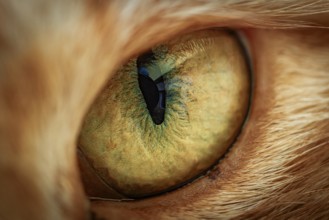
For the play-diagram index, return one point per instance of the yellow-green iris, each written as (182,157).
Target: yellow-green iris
(207,94)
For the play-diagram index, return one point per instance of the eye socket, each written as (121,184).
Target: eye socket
(168,115)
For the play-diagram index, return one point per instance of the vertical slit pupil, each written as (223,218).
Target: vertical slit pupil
(153,90)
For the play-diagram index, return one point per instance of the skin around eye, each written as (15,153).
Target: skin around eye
(207,91)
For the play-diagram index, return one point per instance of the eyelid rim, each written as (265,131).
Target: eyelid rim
(245,46)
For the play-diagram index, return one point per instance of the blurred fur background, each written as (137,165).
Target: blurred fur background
(55,56)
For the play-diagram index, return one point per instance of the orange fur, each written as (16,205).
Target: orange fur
(55,56)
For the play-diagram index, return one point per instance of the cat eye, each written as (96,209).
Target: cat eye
(166,116)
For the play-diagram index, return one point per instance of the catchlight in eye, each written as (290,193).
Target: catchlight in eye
(168,115)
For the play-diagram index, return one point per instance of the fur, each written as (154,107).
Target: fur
(55,56)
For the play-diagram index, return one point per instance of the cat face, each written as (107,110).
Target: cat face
(56,56)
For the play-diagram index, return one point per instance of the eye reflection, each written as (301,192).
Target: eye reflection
(168,115)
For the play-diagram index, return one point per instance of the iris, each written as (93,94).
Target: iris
(168,115)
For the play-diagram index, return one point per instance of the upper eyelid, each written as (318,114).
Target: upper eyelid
(233,14)
(266,14)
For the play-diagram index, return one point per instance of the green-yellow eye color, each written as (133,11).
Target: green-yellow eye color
(207,91)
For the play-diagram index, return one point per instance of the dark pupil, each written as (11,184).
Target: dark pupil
(153,90)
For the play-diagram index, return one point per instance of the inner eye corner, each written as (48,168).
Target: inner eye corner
(137,140)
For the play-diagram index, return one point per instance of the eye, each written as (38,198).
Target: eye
(167,115)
